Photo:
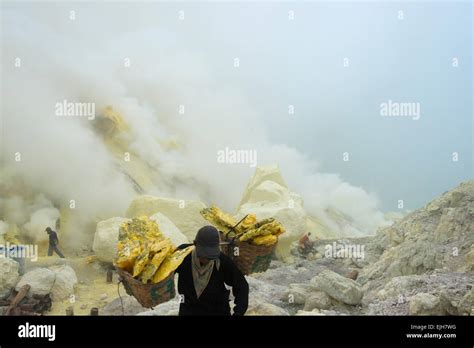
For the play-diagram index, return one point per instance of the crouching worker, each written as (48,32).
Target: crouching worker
(203,276)
(53,243)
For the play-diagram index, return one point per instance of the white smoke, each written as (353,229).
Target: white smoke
(32,216)
(3,230)
(83,60)
(40,219)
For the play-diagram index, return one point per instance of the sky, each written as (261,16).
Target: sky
(293,54)
(300,62)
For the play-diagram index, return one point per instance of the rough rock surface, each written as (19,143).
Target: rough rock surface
(466,304)
(106,238)
(169,229)
(168,308)
(59,281)
(65,282)
(270,199)
(420,265)
(264,173)
(41,281)
(130,306)
(393,297)
(297,293)
(338,287)
(257,307)
(425,304)
(185,214)
(317,300)
(8,276)
(439,235)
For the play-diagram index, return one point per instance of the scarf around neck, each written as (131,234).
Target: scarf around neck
(202,273)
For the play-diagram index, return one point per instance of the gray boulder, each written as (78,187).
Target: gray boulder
(425,304)
(466,305)
(8,276)
(41,281)
(130,306)
(338,287)
(258,307)
(317,300)
(64,284)
(297,293)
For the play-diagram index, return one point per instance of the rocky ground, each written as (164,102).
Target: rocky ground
(423,264)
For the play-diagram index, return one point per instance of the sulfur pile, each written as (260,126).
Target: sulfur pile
(263,232)
(145,252)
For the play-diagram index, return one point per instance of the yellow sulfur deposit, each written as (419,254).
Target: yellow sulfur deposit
(145,252)
(171,262)
(91,259)
(263,232)
(265,240)
(263,222)
(11,236)
(142,229)
(220,219)
(254,233)
(127,253)
(141,261)
(110,122)
(248,223)
(155,264)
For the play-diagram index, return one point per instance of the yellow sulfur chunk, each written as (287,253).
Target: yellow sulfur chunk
(278,229)
(265,240)
(170,263)
(145,252)
(261,231)
(91,259)
(141,262)
(127,254)
(155,264)
(272,228)
(218,218)
(157,245)
(247,223)
(148,272)
(263,222)
(110,122)
(141,228)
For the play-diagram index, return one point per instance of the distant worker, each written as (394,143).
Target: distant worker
(53,243)
(305,245)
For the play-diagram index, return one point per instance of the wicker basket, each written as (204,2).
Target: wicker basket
(148,295)
(251,258)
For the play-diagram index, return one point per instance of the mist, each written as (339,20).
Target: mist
(82,60)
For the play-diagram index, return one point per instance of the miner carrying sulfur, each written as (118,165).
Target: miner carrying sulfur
(203,276)
(53,243)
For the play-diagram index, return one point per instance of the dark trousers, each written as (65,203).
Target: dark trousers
(55,249)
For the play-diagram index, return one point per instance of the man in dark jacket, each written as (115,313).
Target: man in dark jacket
(53,243)
(203,276)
